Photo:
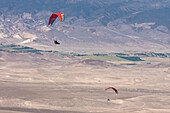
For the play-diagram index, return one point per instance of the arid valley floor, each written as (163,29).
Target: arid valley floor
(53,83)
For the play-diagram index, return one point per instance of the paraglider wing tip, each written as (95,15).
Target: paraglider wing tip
(116,91)
(48,24)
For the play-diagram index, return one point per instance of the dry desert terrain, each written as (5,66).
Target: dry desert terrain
(51,83)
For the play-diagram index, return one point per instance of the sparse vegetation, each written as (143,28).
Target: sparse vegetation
(100,54)
(120,54)
(131,58)
(128,64)
(18,48)
(81,55)
(110,58)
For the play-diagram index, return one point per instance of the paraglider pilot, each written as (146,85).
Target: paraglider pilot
(55,42)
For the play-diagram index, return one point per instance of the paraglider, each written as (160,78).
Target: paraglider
(54,16)
(116,91)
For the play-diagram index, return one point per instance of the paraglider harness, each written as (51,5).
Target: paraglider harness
(55,42)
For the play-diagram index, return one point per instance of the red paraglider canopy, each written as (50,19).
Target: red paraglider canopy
(54,16)
(116,91)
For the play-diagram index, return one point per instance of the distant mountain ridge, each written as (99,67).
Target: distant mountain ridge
(119,24)
(111,10)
